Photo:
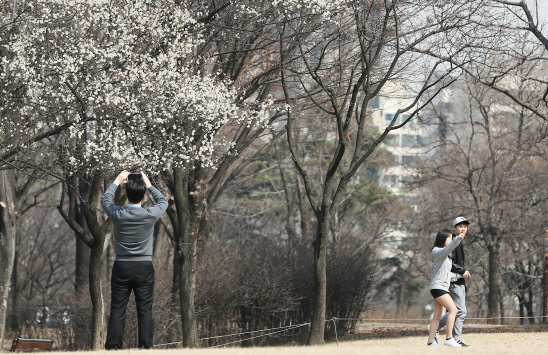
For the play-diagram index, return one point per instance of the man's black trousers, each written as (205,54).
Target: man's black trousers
(139,277)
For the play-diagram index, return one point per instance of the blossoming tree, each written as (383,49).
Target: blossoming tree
(126,79)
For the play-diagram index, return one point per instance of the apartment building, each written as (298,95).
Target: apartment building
(406,144)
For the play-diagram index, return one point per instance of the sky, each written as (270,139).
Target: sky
(543,10)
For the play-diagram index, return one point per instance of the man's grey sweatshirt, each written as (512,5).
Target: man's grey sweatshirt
(441,271)
(133,225)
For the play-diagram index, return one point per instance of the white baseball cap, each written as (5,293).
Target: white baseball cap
(460,220)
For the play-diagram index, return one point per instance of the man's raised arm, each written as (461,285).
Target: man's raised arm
(106,200)
(161,201)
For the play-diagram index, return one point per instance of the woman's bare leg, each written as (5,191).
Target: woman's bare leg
(438,310)
(446,302)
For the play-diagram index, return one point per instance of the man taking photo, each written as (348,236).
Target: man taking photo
(133,230)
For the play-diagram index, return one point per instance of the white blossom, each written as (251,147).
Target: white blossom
(130,70)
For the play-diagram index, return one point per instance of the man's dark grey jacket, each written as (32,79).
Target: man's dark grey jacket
(133,225)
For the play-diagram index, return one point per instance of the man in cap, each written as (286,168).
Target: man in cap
(457,288)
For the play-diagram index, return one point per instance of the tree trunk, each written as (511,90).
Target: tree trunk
(501,308)
(175,279)
(7,245)
(98,324)
(521,300)
(172,214)
(82,250)
(15,292)
(82,264)
(545,290)
(494,286)
(317,324)
(529,307)
(303,210)
(186,256)
(401,289)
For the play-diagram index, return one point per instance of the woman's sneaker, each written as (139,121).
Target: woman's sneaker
(433,344)
(452,342)
(436,336)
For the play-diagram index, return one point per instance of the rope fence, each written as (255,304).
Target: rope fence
(428,319)
(263,335)
(334,320)
(277,330)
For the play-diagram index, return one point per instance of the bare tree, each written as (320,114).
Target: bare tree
(483,168)
(365,49)
(511,58)
(527,19)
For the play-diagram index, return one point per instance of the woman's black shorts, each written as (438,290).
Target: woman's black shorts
(437,293)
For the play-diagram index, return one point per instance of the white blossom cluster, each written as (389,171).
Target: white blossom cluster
(293,8)
(127,75)
(319,7)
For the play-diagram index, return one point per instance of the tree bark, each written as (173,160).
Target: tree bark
(98,324)
(82,265)
(15,291)
(317,324)
(82,255)
(19,194)
(186,257)
(545,290)
(529,307)
(82,250)
(521,300)
(493,310)
(302,209)
(7,244)
(172,215)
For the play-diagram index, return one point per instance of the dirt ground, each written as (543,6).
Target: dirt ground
(392,340)
(528,343)
(482,343)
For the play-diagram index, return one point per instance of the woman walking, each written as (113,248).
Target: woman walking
(439,285)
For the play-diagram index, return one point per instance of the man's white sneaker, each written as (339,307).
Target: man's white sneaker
(463,344)
(452,342)
(433,344)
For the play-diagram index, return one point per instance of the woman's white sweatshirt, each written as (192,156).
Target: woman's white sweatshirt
(441,270)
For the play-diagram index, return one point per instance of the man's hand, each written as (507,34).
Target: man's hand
(121,178)
(466,274)
(146,180)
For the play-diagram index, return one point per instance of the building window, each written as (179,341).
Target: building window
(410,160)
(388,117)
(391,181)
(392,140)
(406,179)
(316,54)
(377,102)
(372,175)
(411,141)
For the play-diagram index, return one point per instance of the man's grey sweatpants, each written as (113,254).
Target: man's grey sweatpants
(458,294)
